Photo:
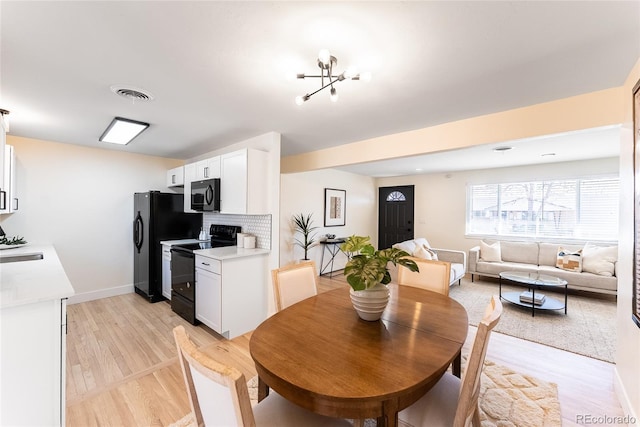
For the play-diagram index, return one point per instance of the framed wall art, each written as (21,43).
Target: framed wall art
(335,203)
(636,204)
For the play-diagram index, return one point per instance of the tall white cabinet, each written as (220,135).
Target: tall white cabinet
(243,182)
(9,201)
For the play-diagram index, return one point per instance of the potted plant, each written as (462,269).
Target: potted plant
(304,225)
(368,274)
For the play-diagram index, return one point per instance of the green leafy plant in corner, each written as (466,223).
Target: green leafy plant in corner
(367,266)
(304,225)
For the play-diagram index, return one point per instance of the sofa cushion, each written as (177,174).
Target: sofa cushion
(569,260)
(523,252)
(548,254)
(490,252)
(599,259)
(495,268)
(582,280)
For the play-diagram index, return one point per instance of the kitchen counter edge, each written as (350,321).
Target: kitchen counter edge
(230,252)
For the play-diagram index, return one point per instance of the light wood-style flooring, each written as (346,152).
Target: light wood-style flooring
(122,368)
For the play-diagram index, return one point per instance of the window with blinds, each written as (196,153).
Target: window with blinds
(581,209)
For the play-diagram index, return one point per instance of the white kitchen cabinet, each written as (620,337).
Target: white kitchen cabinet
(231,293)
(175,177)
(9,202)
(244,182)
(166,271)
(189,177)
(208,168)
(33,364)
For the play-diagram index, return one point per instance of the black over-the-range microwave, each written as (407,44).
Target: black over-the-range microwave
(205,195)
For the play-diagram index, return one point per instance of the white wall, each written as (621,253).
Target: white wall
(80,199)
(304,193)
(440,199)
(627,361)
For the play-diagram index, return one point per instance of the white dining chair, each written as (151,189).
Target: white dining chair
(293,283)
(453,402)
(432,275)
(219,396)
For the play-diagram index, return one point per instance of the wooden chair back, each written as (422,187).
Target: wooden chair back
(468,409)
(293,283)
(433,275)
(218,394)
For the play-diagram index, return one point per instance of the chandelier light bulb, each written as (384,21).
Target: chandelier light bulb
(324,56)
(350,72)
(334,94)
(299,100)
(366,76)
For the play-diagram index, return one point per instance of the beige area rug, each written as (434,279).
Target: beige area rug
(507,399)
(588,327)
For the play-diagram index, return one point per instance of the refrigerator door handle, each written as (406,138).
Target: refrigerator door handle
(138,234)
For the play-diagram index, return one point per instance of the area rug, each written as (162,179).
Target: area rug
(588,328)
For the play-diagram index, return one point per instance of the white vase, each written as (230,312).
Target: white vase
(370,303)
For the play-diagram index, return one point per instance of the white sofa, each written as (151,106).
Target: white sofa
(538,257)
(458,259)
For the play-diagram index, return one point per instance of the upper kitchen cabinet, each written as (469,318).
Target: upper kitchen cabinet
(208,168)
(9,193)
(243,184)
(175,177)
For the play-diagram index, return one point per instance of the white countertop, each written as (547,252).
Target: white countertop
(27,282)
(230,252)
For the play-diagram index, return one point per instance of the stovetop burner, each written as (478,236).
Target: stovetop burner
(221,235)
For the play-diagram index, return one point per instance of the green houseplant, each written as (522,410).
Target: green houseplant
(368,274)
(367,266)
(304,225)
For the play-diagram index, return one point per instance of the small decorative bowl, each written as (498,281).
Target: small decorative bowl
(331,236)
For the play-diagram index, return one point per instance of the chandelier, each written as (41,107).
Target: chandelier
(327,63)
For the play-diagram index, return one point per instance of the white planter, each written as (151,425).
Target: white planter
(370,303)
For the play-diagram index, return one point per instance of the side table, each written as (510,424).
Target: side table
(332,246)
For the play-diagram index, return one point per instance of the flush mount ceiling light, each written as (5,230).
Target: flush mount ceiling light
(502,149)
(327,63)
(122,131)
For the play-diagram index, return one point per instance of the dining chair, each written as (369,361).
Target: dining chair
(432,275)
(219,396)
(293,283)
(454,402)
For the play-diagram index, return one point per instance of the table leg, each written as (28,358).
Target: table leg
(263,389)
(457,364)
(565,299)
(533,302)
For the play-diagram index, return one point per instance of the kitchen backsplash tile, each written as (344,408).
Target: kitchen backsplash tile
(258,225)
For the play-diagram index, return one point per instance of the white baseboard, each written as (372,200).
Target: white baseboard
(102,293)
(623,397)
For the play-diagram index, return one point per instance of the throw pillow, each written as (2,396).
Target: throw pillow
(599,259)
(422,252)
(570,261)
(490,253)
(434,254)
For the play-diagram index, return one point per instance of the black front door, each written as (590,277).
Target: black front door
(395,215)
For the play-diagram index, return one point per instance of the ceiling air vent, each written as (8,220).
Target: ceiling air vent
(134,94)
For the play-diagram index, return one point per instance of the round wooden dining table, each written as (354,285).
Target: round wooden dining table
(320,355)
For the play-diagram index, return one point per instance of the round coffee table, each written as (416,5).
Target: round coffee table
(534,281)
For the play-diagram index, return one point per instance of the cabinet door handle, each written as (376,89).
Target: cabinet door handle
(205,263)
(3,200)
(206,172)
(16,208)
(173,179)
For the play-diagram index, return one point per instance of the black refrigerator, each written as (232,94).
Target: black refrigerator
(157,217)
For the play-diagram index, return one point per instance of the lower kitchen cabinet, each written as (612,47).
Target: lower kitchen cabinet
(32,365)
(231,295)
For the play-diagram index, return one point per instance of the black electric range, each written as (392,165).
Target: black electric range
(183,267)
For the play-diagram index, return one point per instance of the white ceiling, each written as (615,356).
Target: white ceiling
(217,70)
